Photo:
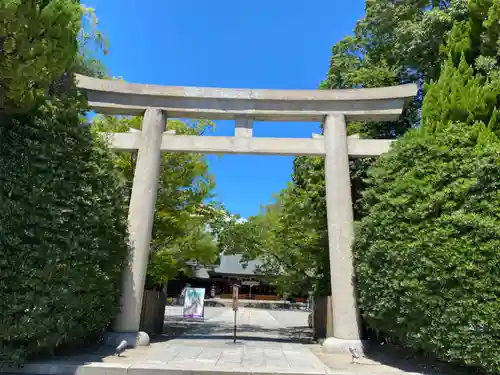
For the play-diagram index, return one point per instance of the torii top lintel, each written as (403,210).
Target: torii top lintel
(119,97)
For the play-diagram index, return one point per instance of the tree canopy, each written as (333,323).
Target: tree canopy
(34,53)
(185,224)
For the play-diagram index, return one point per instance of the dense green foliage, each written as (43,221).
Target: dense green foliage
(38,41)
(63,231)
(427,250)
(180,230)
(427,253)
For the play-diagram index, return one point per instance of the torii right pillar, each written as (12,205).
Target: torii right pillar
(346,322)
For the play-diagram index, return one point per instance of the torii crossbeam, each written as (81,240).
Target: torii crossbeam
(332,107)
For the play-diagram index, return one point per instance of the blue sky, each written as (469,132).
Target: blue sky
(279,44)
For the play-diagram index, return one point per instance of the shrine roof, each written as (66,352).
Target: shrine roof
(231,265)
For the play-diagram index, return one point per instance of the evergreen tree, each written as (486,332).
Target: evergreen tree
(426,253)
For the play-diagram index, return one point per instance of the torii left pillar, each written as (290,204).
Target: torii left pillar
(346,324)
(140,219)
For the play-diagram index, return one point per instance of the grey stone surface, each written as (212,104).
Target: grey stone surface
(264,347)
(107,96)
(140,219)
(243,127)
(266,341)
(340,229)
(357,148)
(134,339)
(335,345)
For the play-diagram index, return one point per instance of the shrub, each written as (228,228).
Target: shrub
(63,231)
(427,255)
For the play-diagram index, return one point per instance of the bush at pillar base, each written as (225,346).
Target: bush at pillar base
(427,253)
(63,232)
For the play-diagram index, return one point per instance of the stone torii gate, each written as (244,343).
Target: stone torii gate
(332,107)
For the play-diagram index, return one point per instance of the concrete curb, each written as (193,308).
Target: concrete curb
(106,368)
(92,368)
(103,368)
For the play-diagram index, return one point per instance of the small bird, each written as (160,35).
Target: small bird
(121,348)
(354,353)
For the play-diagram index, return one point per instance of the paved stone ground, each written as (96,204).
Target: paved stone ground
(252,324)
(278,305)
(268,342)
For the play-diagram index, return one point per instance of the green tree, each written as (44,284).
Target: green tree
(407,35)
(92,45)
(276,239)
(38,41)
(395,43)
(427,251)
(181,231)
(376,55)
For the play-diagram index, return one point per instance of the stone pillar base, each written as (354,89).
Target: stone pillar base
(133,339)
(334,345)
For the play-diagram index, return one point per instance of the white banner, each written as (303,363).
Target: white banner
(194,300)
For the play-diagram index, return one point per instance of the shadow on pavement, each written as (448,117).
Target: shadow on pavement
(175,327)
(403,359)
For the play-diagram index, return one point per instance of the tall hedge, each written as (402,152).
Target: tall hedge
(428,253)
(63,219)
(63,233)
